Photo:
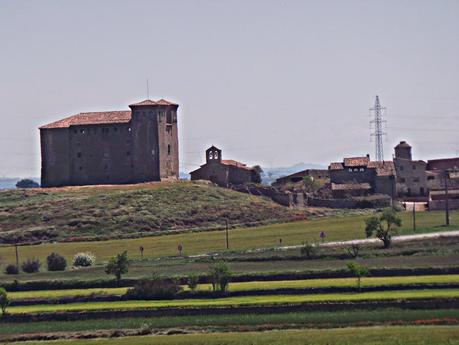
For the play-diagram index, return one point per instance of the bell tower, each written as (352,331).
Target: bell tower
(213,155)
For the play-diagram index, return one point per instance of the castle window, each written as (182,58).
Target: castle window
(356,169)
(168,149)
(128,153)
(129,129)
(362,169)
(79,154)
(82,131)
(350,169)
(169,118)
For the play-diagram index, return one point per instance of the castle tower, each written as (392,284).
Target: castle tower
(154,124)
(403,150)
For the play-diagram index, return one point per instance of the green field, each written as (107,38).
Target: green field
(238,301)
(431,335)
(293,233)
(257,285)
(298,319)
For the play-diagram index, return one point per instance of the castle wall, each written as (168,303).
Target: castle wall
(54,157)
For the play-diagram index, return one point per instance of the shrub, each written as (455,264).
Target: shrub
(11,269)
(193,280)
(220,277)
(308,250)
(353,250)
(31,265)
(83,260)
(156,288)
(358,271)
(56,262)
(27,183)
(117,266)
(4,300)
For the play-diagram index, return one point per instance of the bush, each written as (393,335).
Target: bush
(308,250)
(156,288)
(11,269)
(31,265)
(56,262)
(83,260)
(27,183)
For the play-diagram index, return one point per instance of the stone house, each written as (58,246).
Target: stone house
(225,172)
(315,174)
(111,147)
(411,174)
(359,176)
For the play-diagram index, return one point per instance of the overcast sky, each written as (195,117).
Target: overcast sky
(269,82)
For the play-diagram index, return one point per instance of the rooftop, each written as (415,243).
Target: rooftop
(92,118)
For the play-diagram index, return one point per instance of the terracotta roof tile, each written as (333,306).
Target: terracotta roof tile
(336,166)
(92,118)
(356,161)
(151,102)
(235,164)
(385,168)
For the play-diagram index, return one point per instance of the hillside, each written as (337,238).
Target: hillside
(74,213)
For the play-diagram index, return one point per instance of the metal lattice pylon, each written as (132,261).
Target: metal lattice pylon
(377,125)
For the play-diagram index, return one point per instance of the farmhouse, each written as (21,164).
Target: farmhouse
(359,176)
(112,147)
(225,172)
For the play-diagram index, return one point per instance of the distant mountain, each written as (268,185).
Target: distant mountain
(10,182)
(271,174)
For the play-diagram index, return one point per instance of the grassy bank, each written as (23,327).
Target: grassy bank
(432,335)
(294,233)
(300,319)
(239,301)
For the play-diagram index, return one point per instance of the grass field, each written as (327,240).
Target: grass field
(257,285)
(432,335)
(300,319)
(238,301)
(293,233)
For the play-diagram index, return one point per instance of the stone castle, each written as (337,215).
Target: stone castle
(112,147)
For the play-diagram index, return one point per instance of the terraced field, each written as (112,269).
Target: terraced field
(239,301)
(259,285)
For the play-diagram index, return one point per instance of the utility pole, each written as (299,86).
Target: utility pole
(414,216)
(378,133)
(227,238)
(446,200)
(17,255)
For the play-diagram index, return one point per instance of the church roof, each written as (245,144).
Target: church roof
(91,118)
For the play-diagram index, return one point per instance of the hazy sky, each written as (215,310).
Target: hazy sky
(269,82)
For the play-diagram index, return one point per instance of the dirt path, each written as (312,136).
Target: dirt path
(403,238)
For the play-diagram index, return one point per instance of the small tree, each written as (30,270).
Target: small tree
(353,250)
(27,183)
(383,226)
(118,265)
(4,300)
(220,276)
(193,280)
(358,271)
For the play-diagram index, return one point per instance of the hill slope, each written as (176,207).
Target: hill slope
(117,211)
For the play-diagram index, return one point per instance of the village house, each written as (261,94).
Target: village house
(359,176)
(225,172)
(112,147)
(314,174)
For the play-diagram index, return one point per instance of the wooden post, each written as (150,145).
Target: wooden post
(227,238)
(414,216)
(17,256)
(446,200)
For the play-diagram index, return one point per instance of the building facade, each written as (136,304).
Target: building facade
(359,176)
(113,147)
(411,174)
(225,172)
